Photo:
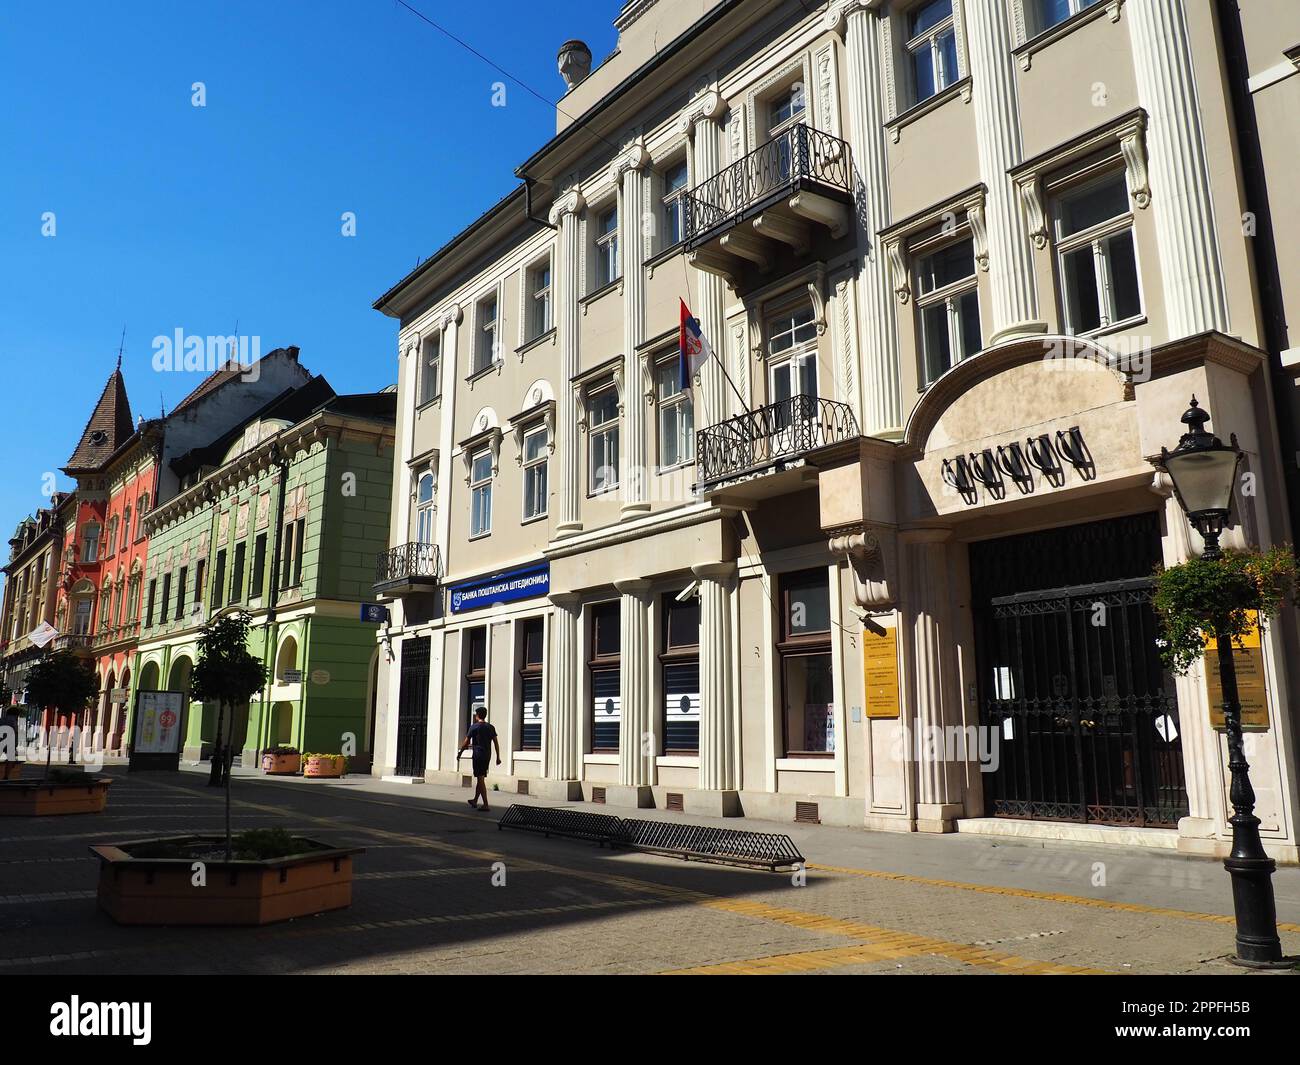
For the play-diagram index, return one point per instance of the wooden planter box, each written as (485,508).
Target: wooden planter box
(10,770)
(161,891)
(31,798)
(324,766)
(281,764)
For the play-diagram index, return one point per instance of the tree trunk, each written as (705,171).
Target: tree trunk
(216,774)
(72,740)
(225,762)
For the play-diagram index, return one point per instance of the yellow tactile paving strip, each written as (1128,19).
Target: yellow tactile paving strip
(1044,896)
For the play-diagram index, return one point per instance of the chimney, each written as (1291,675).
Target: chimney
(574,63)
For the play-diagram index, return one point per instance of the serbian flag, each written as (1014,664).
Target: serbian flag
(695,350)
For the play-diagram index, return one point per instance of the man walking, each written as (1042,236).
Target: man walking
(482,737)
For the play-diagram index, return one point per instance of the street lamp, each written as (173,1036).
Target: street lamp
(1204,472)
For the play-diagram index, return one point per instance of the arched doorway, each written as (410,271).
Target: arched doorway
(118,728)
(286,659)
(282,723)
(101,729)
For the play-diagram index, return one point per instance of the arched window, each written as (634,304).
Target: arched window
(287,658)
(424,510)
(126,526)
(139,517)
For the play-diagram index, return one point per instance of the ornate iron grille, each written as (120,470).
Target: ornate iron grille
(413,707)
(767,436)
(730,846)
(407,561)
(1085,716)
(799,156)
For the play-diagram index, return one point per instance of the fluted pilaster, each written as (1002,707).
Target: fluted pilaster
(1191,271)
(997,133)
(449,324)
(566,213)
(635,752)
(562,697)
(719,738)
(629,173)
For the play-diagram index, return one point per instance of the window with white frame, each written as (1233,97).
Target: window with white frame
(676,186)
(607,263)
(932,48)
(535,454)
(81,616)
(539,299)
(424,509)
(431,368)
(485,343)
(602,439)
(1053,12)
(480,493)
(784,112)
(947,308)
(126,526)
(110,541)
(792,362)
(1096,255)
(90,542)
(676,414)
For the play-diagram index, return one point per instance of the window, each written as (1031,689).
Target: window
(291,568)
(475,672)
(104,620)
(218,580)
(792,360)
(674,204)
(1052,12)
(947,308)
(932,48)
(81,616)
(299,542)
(259,567)
(424,509)
(480,493)
(784,113)
(90,542)
(149,603)
(126,526)
(532,700)
(534,463)
(539,305)
(1096,256)
(237,573)
(603,676)
(602,439)
(676,415)
(485,344)
(133,599)
(431,368)
(166,598)
(607,264)
(680,669)
(110,540)
(139,515)
(200,571)
(181,579)
(807,686)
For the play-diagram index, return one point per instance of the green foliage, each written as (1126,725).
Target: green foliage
(263,844)
(225,672)
(63,681)
(1202,599)
(65,775)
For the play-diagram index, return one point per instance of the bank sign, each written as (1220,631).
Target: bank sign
(526,582)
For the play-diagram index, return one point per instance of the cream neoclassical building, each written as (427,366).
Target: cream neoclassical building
(962,265)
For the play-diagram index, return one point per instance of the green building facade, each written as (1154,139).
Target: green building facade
(282,517)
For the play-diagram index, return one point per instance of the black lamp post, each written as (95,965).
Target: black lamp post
(1204,471)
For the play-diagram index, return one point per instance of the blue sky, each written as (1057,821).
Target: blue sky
(169,216)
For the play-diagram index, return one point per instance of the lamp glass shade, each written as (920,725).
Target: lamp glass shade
(1204,478)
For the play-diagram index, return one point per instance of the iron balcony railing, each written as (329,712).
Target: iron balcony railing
(801,156)
(420,562)
(765,437)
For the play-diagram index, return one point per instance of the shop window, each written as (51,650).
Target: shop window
(475,672)
(807,685)
(679,665)
(532,699)
(603,678)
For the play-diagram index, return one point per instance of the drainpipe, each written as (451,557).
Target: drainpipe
(1263,245)
(528,205)
(273,598)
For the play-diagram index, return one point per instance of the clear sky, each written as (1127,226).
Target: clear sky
(169,216)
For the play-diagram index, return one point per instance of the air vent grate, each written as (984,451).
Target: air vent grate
(598,795)
(522,787)
(806,813)
(675,801)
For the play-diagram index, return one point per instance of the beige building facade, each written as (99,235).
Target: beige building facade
(885,560)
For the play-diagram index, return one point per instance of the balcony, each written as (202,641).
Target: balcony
(408,568)
(752,449)
(777,198)
(73,641)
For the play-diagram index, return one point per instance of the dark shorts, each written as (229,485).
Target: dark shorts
(481,763)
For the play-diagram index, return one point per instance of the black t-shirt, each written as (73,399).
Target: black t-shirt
(481,735)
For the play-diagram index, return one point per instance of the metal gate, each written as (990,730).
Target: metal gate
(413,707)
(1071,680)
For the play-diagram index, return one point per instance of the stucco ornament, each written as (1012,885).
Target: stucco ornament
(865,554)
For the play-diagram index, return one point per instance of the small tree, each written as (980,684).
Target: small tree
(67,683)
(227,675)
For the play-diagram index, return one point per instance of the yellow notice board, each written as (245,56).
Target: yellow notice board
(880,662)
(1251,689)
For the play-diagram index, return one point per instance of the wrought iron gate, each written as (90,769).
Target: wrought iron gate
(413,707)
(1071,679)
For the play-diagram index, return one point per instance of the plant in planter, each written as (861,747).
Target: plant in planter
(1219,599)
(67,683)
(227,674)
(324,765)
(284,760)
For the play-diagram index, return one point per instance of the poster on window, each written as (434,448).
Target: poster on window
(158,723)
(819,727)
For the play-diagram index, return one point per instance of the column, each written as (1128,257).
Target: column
(997,133)
(449,324)
(1191,271)
(629,174)
(719,735)
(859,21)
(562,674)
(636,753)
(408,373)
(935,702)
(700,123)
(566,213)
